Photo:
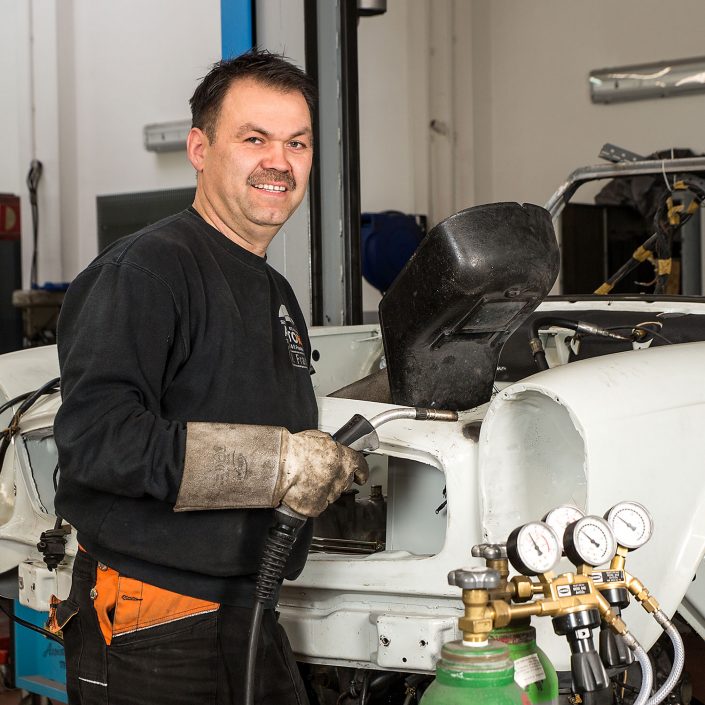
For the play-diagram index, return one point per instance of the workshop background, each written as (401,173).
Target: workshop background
(461,102)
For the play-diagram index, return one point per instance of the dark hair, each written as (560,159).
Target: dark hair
(260,65)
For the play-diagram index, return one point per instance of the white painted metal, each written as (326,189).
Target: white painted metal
(591,433)
(622,426)
(37,584)
(25,370)
(344,354)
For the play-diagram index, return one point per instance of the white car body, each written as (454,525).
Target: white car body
(627,425)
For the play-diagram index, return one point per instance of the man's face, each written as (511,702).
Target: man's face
(254,173)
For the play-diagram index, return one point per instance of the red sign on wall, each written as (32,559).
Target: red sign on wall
(9,217)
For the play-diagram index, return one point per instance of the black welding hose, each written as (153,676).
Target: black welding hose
(277,549)
(252,644)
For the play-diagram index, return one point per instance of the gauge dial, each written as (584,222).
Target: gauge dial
(533,548)
(559,518)
(631,523)
(590,541)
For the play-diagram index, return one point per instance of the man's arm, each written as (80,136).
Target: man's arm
(118,338)
(119,342)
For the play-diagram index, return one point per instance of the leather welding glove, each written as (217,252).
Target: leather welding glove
(231,466)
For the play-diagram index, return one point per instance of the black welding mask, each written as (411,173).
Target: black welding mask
(473,280)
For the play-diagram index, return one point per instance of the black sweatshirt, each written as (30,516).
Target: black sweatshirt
(172,325)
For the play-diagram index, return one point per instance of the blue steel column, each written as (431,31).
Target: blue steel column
(236,27)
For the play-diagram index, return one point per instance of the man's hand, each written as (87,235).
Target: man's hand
(315,471)
(243,466)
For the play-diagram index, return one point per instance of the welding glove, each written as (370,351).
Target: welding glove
(231,466)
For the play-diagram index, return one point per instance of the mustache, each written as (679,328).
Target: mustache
(269,176)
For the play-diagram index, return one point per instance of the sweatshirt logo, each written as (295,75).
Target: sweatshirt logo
(293,339)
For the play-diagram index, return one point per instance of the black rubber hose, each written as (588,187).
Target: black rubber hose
(26,400)
(535,342)
(33,177)
(252,644)
(277,550)
(9,404)
(33,627)
(49,388)
(5,439)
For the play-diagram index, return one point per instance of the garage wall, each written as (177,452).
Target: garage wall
(93,74)
(505,83)
(528,120)
(534,119)
(14,19)
(127,64)
(506,79)
(393,99)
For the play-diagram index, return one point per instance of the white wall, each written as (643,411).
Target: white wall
(12,27)
(529,121)
(534,106)
(162,49)
(101,71)
(393,85)
(392,110)
(508,77)
(508,81)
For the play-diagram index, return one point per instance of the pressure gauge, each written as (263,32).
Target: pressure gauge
(533,548)
(559,518)
(631,523)
(589,540)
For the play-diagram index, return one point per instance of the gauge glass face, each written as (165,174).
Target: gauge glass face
(593,540)
(631,523)
(559,518)
(538,547)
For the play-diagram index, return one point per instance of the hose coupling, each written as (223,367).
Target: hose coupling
(630,641)
(423,414)
(535,345)
(662,618)
(590,329)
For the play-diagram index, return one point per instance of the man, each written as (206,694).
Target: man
(187,414)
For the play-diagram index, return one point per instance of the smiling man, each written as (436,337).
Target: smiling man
(188,414)
(254,166)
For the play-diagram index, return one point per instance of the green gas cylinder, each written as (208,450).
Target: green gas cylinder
(533,672)
(474,675)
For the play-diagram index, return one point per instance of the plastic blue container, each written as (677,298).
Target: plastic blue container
(40,664)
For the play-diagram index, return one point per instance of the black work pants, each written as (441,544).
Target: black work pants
(198,660)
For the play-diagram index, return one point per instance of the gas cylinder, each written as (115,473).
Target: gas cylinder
(533,672)
(474,675)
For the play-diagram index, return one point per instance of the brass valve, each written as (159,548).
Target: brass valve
(638,589)
(476,583)
(519,588)
(565,594)
(619,578)
(522,589)
(495,556)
